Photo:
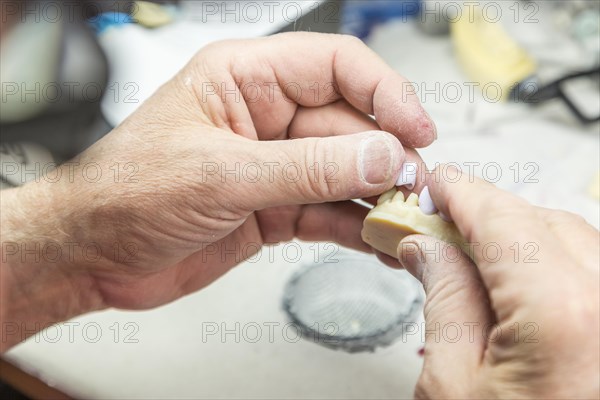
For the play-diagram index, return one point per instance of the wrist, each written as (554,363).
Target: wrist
(40,284)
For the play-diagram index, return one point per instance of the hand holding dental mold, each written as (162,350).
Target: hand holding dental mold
(527,312)
(211,170)
(214,170)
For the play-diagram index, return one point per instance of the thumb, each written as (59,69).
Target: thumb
(318,170)
(457,311)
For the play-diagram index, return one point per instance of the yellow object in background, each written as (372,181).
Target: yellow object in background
(151,15)
(488,54)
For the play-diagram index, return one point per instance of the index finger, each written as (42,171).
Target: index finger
(505,235)
(480,210)
(319,69)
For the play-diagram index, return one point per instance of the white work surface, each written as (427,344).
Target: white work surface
(170,359)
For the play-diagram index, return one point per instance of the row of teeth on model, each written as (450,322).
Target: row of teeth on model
(423,201)
(407,179)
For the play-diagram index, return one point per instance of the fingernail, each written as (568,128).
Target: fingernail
(426,202)
(376,158)
(408,175)
(444,217)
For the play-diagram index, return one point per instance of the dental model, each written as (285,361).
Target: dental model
(393,218)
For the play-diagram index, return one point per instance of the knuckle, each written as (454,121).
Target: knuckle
(316,156)
(559,217)
(351,40)
(216,47)
(500,207)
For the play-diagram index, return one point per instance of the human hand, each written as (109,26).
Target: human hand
(167,209)
(522,319)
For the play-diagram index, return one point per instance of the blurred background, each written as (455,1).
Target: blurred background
(514,89)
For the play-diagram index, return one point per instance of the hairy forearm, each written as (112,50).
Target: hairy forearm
(38,284)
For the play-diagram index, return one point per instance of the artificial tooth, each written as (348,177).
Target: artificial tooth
(399,197)
(426,204)
(386,196)
(393,219)
(413,200)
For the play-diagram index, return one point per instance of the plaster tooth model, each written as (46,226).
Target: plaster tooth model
(394,218)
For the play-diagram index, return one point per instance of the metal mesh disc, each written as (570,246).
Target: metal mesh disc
(355,304)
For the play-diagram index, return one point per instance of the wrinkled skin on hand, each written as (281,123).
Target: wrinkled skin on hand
(166,224)
(527,308)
